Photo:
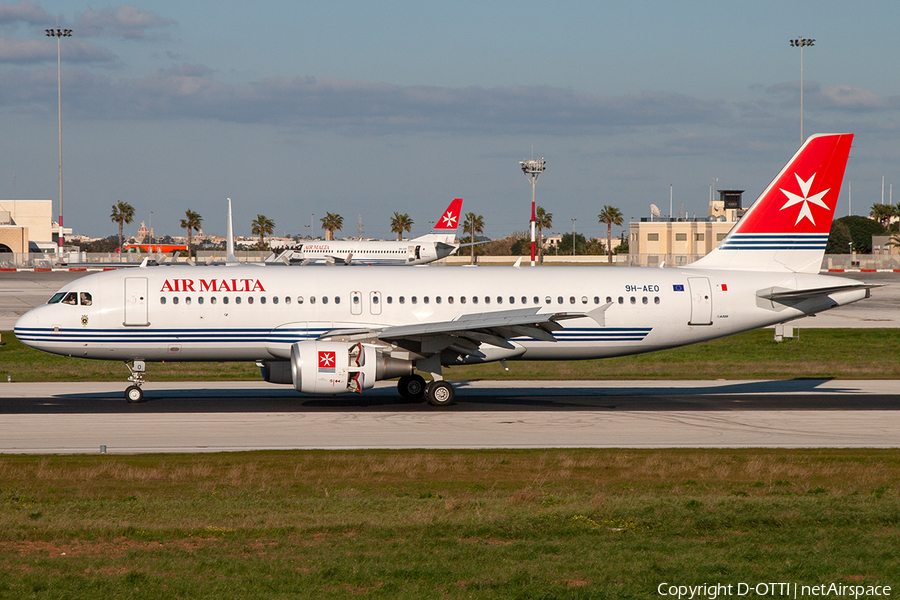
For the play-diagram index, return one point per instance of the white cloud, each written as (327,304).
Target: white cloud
(847,96)
(44,50)
(127,22)
(25,12)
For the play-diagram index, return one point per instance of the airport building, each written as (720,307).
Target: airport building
(26,225)
(677,241)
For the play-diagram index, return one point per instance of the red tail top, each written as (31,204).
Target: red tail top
(449,221)
(802,199)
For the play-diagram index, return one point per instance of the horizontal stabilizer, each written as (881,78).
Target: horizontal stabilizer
(772,294)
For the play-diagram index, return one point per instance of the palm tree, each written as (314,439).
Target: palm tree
(262,226)
(894,242)
(542,219)
(611,216)
(191,222)
(473,224)
(331,222)
(882,213)
(401,223)
(122,213)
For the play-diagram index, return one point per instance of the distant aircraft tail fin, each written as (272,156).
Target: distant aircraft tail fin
(229,235)
(445,227)
(787,228)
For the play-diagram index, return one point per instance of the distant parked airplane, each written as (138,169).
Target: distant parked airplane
(441,242)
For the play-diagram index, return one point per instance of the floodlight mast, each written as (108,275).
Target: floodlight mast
(59,33)
(801,43)
(533,169)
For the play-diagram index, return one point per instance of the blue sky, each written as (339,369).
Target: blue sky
(364,108)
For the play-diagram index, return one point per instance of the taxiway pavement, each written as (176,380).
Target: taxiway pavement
(209,417)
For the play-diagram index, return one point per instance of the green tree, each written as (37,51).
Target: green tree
(610,216)
(122,213)
(521,247)
(262,226)
(839,239)
(331,222)
(565,244)
(474,224)
(401,223)
(861,231)
(542,220)
(191,222)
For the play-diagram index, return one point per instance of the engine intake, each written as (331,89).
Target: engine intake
(340,367)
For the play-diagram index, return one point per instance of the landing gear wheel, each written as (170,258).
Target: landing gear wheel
(440,393)
(411,387)
(134,394)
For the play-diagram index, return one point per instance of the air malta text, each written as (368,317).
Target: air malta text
(212,285)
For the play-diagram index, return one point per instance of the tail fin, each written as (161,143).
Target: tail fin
(787,228)
(230,258)
(445,227)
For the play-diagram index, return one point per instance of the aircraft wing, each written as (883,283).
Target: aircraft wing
(465,333)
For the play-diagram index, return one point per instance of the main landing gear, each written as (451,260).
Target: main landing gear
(437,393)
(134,393)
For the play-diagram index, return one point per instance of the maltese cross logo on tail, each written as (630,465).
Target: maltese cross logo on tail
(449,220)
(805,199)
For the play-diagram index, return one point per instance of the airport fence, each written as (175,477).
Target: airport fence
(75,259)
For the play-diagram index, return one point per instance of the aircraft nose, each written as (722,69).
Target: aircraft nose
(26,326)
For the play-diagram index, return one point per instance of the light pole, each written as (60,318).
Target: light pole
(573,235)
(532,169)
(150,233)
(801,42)
(59,33)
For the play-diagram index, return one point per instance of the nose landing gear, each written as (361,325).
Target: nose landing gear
(134,393)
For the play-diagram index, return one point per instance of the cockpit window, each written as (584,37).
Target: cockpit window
(86,299)
(70,298)
(56,298)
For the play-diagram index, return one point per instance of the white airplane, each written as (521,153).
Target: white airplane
(330,331)
(441,242)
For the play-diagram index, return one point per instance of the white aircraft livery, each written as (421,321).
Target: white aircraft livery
(331,331)
(441,242)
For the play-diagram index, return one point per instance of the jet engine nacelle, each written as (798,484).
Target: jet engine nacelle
(341,367)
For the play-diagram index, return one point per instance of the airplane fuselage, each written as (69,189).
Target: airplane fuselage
(184,313)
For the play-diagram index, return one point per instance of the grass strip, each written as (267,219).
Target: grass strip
(601,523)
(817,354)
